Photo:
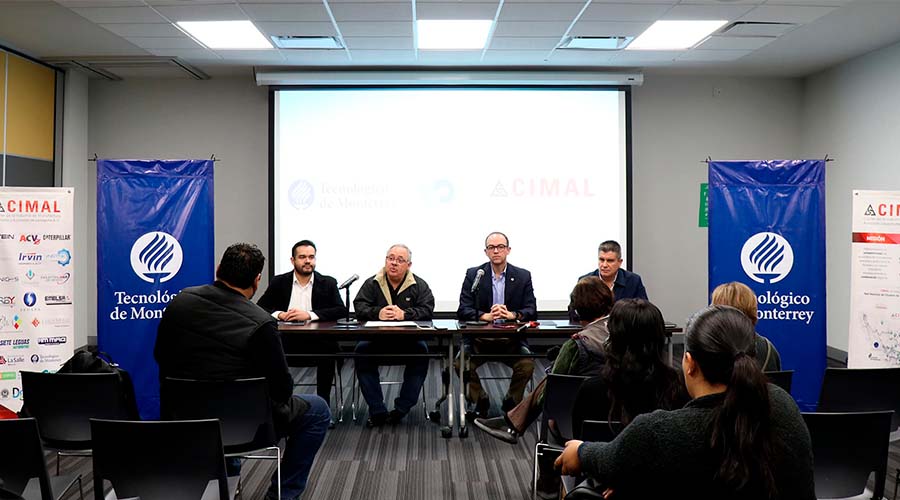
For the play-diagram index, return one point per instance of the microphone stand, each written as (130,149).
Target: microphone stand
(347,322)
(476,322)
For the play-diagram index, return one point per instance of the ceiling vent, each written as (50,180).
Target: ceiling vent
(758,29)
(119,68)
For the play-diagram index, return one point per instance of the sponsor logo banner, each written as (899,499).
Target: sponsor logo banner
(767,230)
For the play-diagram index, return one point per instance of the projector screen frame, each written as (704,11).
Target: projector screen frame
(625,89)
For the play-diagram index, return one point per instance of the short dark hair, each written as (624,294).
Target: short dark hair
(302,243)
(240,265)
(591,298)
(496,232)
(610,246)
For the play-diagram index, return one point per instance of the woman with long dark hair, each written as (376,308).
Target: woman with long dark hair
(636,377)
(739,438)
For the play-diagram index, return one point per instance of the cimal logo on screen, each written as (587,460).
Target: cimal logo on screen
(767,257)
(301,194)
(30,299)
(156,257)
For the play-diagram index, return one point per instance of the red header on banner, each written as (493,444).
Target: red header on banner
(888,239)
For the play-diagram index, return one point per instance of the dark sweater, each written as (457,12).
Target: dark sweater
(665,454)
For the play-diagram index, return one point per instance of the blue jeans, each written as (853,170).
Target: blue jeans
(304,438)
(413,374)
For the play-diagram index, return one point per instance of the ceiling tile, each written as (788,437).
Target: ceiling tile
(517,57)
(140,30)
(579,57)
(540,11)
(442,10)
(519,28)
(735,42)
(256,56)
(164,42)
(787,13)
(524,43)
(667,2)
(357,28)
(713,55)
(119,15)
(597,28)
(203,12)
(706,12)
(383,57)
(450,57)
(820,3)
(297,28)
(379,42)
(187,54)
(372,12)
(624,12)
(645,56)
(311,57)
(284,12)
(100,3)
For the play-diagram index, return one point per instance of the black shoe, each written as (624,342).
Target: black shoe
(376,420)
(395,417)
(508,404)
(331,424)
(498,428)
(482,407)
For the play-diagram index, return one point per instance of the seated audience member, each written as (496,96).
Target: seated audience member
(580,355)
(394,294)
(305,295)
(505,294)
(741,297)
(739,438)
(636,377)
(624,284)
(214,332)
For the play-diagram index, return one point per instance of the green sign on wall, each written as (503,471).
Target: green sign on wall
(704,205)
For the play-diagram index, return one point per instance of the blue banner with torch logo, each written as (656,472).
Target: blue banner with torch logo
(767,230)
(154,237)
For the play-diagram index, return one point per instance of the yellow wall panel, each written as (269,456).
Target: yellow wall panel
(2,99)
(30,108)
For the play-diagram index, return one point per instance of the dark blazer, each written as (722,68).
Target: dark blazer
(628,285)
(326,299)
(518,297)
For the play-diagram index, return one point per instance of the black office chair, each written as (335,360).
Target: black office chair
(861,389)
(23,471)
(602,431)
(782,379)
(63,403)
(847,447)
(181,460)
(556,419)
(242,406)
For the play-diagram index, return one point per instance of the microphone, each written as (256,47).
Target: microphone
(349,282)
(477,282)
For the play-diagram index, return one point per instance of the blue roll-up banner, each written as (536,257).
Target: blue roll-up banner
(767,230)
(154,237)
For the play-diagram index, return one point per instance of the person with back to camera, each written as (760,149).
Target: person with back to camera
(739,438)
(741,297)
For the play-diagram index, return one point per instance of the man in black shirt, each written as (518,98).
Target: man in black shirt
(214,332)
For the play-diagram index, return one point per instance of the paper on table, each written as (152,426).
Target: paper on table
(390,323)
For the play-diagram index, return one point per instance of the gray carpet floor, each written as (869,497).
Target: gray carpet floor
(410,461)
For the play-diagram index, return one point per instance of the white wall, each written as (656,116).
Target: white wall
(75,174)
(678,122)
(851,113)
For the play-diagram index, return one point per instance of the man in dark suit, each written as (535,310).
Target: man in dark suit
(505,294)
(305,295)
(624,284)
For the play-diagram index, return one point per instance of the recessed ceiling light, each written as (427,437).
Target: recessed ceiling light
(674,35)
(455,34)
(596,42)
(226,34)
(306,42)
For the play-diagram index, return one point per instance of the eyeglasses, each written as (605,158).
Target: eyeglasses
(499,248)
(396,260)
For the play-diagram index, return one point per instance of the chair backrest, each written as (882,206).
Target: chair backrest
(602,431)
(158,460)
(559,397)
(782,379)
(63,404)
(847,447)
(23,457)
(242,406)
(861,389)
